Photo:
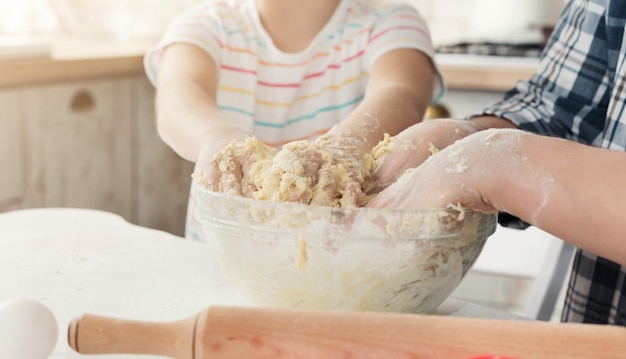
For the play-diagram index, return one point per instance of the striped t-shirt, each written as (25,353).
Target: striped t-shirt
(280,97)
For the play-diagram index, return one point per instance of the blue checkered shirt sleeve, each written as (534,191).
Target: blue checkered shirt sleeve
(578,93)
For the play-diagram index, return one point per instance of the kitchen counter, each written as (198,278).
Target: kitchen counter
(79,261)
(76,59)
(487,73)
(79,58)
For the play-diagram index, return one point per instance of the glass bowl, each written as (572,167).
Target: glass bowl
(299,256)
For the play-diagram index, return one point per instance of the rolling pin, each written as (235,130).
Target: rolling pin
(262,333)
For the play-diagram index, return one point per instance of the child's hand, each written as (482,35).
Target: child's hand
(350,164)
(291,175)
(231,168)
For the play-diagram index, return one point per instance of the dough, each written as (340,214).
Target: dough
(302,171)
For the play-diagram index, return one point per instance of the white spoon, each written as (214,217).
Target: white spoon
(28,329)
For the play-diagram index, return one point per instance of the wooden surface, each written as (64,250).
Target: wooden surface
(486,73)
(77,59)
(96,334)
(11,153)
(80,58)
(79,154)
(162,178)
(91,144)
(43,71)
(384,335)
(468,77)
(19,73)
(222,332)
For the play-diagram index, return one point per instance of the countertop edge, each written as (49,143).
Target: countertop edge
(44,71)
(491,79)
(488,73)
(74,59)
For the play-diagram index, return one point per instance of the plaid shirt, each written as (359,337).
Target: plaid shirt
(579,93)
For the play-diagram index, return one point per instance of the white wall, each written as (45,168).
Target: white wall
(452,21)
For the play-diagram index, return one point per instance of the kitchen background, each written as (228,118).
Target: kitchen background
(451,21)
(77,118)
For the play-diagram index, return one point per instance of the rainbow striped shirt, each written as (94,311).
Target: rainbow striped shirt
(281,97)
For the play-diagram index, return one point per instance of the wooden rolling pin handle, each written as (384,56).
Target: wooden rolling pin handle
(93,334)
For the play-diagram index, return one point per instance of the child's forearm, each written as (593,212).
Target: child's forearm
(399,89)
(188,119)
(388,109)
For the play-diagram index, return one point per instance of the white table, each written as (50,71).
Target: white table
(79,261)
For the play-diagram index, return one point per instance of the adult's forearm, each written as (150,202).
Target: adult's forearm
(572,190)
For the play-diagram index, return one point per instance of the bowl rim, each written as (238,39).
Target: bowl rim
(199,187)
(488,219)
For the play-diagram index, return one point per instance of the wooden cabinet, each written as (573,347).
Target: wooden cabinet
(161,178)
(91,144)
(77,141)
(11,153)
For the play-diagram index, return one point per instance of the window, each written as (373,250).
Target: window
(26,17)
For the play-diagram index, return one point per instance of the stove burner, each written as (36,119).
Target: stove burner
(492,49)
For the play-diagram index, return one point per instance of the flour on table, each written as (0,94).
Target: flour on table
(302,257)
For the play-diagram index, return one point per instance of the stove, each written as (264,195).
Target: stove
(532,50)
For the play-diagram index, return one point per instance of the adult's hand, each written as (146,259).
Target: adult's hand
(412,147)
(571,190)
(447,178)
